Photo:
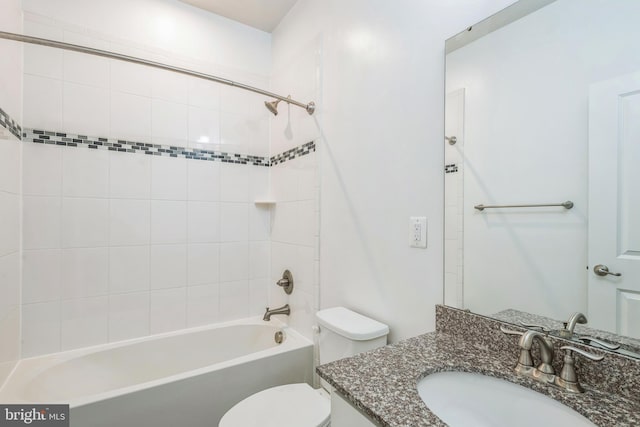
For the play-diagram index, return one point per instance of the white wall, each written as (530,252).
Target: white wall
(10,187)
(382,122)
(120,245)
(526,129)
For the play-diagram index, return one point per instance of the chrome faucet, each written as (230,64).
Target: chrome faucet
(282,310)
(570,325)
(544,371)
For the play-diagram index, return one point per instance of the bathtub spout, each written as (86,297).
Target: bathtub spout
(282,310)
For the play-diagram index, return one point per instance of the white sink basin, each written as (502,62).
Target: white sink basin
(465,399)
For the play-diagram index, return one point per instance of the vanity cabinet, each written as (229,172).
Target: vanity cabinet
(343,414)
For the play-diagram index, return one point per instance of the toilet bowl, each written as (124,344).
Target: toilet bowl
(343,333)
(291,405)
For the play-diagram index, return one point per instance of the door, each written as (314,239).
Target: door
(614,205)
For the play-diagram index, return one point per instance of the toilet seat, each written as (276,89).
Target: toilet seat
(291,405)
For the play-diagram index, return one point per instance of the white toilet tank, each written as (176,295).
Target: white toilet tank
(345,333)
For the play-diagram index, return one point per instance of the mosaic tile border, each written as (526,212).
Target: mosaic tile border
(38,136)
(299,151)
(112,144)
(11,125)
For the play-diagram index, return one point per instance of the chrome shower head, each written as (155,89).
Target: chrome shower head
(272,106)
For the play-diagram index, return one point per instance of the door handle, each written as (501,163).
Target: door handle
(603,270)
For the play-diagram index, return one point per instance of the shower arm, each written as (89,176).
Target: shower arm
(310,107)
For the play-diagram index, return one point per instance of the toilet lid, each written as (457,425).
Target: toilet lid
(291,405)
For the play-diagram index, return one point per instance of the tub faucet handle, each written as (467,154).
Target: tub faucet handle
(286,282)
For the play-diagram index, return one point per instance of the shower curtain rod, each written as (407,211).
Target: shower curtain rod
(310,107)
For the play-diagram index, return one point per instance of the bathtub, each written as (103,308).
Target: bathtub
(188,378)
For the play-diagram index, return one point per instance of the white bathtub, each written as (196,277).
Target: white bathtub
(188,378)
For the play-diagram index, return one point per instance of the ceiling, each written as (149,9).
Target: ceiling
(264,15)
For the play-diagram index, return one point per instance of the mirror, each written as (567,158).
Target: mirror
(542,108)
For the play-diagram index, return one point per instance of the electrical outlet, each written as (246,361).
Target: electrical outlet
(418,232)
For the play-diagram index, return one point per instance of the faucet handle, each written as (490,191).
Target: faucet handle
(533,326)
(591,356)
(606,345)
(286,282)
(510,331)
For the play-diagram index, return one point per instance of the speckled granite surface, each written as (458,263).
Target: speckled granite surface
(382,383)
(616,373)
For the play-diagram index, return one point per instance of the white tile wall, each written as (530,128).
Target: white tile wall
(85,69)
(85,173)
(204,128)
(10,173)
(203,181)
(40,328)
(128,269)
(83,322)
(42,273)
(85,109)
(295,185)
(122,245)
(259,259)
(168,222)
(169,86)
(131,116)
(170,122)
(204,222)
(35,55)
(234,261)
(129,176)
(131,78)
(85,222)
(294,239)
(142,240)
(236,297)
(42,170)
(85,272)
(234,222)
(234,183)
(203,305)
(168,266)
(168,310)
(129,222)
(203,264)
(204,94)
(168,178)
(128,316)
(11,95)
(42,102)
(10,211)
(41,221)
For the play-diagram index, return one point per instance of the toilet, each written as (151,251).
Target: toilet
(343,333)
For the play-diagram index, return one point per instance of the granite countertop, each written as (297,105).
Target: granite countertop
(382,382)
